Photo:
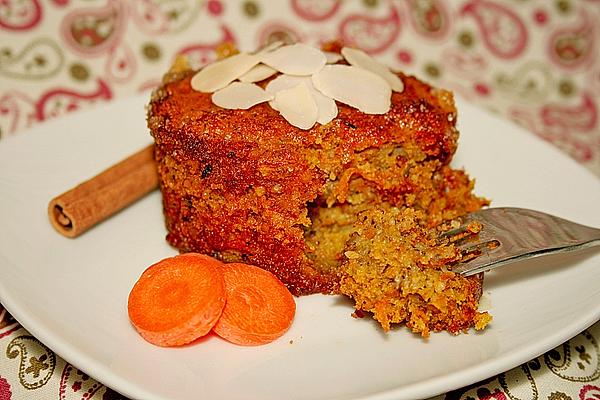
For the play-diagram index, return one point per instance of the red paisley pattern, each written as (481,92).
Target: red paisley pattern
(430,18)
(199,54)
(535,62)
(60,101)
(589,392)
(92,31)
(120,64)
(17,111)
(161,17)
(76,385)
(465,64)
(316,10)
(581,117)
(571,127)
(278,31)
(5,392)
(574,46)
(483,49)
(149,16)
(371,34)
(18,15)
(502,30)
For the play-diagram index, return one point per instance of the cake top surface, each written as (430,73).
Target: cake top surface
(419,115)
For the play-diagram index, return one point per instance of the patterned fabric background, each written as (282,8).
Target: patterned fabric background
(535,62)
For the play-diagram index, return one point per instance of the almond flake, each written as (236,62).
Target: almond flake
(355,87)
(327,109)
(332,57)
(295,59)
(217,75)
(239,95)
(360,59)
(269,47)
(286,82)
(283,82)
(297,106)
(258,73)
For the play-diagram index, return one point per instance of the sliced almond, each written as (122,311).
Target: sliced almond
(258,73)
(297,106)
(332,57)
(240,95)
(269,47)
(355,87)
(221,73)
(286,82)
(295,59)
(327,109)
(360,59)
(283,82)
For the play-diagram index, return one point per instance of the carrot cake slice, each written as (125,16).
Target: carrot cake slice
(315,203)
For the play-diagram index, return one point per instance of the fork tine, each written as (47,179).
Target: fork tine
(467,229)
(470,233)
(478,245)
(474,266)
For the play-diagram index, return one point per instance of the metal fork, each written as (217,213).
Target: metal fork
(514,234)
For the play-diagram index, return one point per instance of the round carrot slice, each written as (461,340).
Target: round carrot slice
(178,299)
(259,307)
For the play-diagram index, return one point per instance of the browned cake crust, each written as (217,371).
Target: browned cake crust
(245,185)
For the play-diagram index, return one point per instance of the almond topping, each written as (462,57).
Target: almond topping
(332,57)
(239,95)
(327,109)
(309,82)
(355,87)
(258,73)
(269,47)
(221,73)
(283,82)
(360,59)
(297,106)
(295,59)
(286,82)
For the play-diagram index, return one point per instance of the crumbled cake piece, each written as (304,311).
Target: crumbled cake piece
(396,268)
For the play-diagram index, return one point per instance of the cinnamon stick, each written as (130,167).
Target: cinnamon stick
(77,210)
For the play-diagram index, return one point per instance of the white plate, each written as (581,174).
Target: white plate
(72,294)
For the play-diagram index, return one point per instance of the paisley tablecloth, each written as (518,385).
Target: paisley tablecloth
(533,61)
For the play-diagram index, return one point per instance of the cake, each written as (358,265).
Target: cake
(245,185)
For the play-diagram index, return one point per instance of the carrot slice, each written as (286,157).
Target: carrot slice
(259,307)
(178,299)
